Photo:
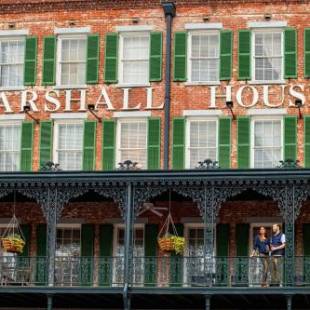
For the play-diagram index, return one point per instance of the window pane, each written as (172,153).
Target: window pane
(10,147)
(135,72)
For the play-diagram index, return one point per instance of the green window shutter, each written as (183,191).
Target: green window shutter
(30,69)
(243,142)
(306,238)
(108,145)
(226,54)
(224,142)
(106,254)
(150,253)
(244,56)
(26,146)
(87,251)
(92,64)
(156,51)
(242,249)
(307,141)
(46,142)
(25,228)
(290,53)
(290,137)
(153,148)
(176,262)
(178,147)
(180,58)
(41,263)
(307,52)
(89,145)
(222,252)
(49,60)
(111,59)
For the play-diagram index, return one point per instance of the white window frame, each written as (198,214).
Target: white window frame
(58,122)
(266,30)
(60,38)
(12,123)
(188,120)
(9,38)
(122,35)
(118,134)
(189,53)
(265,118)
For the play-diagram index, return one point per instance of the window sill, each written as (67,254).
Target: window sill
(215,83)
(280,82)
(132,85)
(13,88)
(60,87)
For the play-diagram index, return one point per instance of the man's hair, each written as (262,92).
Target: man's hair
(279,226)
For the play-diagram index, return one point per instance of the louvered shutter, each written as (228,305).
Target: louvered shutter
(224,142)
(243,142)
(89,145)
(41,259)
(290,53)
(156,57)
(87,251)
(178,147)
(307,141)
(26,146)
(153,153)
(30,68)
(108,145)
(150,253)
(176,261)
(290,137)
(180,56)
(46,142)
(244,54)
(226,44)
(222,252)
(307,52)
(242,259)
(106,253)
(49,60)
(111,59)
(92,63)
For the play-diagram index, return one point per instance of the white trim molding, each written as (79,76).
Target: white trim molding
(134,28)
(17,32)
(201,26)
(132,114)
(69,115)
(270,24)
(12,117)
(202,113)
(267,112)
(72,30)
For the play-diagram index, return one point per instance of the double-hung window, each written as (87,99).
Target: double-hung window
(266,142)
(10,140)
(201,141)
(268,55)
(132,141)
(204,50)
(12,51)
(68,139)
(134,58)
(71,66)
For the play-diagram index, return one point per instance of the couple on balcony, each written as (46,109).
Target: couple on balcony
(270,252)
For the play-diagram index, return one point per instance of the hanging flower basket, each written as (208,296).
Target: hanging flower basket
(13,240)
(170,242)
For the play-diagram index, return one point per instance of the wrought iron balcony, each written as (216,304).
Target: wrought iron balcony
(163,272)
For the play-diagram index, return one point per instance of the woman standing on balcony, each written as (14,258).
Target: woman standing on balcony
(262,248)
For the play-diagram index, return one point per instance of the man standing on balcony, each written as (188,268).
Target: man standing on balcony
(277,252)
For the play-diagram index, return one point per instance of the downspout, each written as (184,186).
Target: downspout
(169,10)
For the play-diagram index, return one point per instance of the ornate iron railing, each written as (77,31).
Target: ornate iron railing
(164,271)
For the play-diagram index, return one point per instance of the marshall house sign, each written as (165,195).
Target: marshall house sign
(246,96)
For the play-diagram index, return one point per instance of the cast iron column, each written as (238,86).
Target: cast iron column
(128,246)
(49,302)
(289,302)
(169,10)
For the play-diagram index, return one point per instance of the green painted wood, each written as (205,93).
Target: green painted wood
(30,68)
(108,145)
(307,141)
(180,56)
(111,58)
(244,55)
(307,52)
(153,147)
(222,252)
(243,125)
(178,143)
(106,253)
(224,144)
(290,137)
(242,249)
(41,263)
(26,230)
(226,44)
(49,60)
(87,253)
(46,141)
(26,146)
(89,145)
(290,53)
(150,253)
(156,57)
(92,63)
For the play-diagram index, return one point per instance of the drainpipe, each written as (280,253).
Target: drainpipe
(169,10)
